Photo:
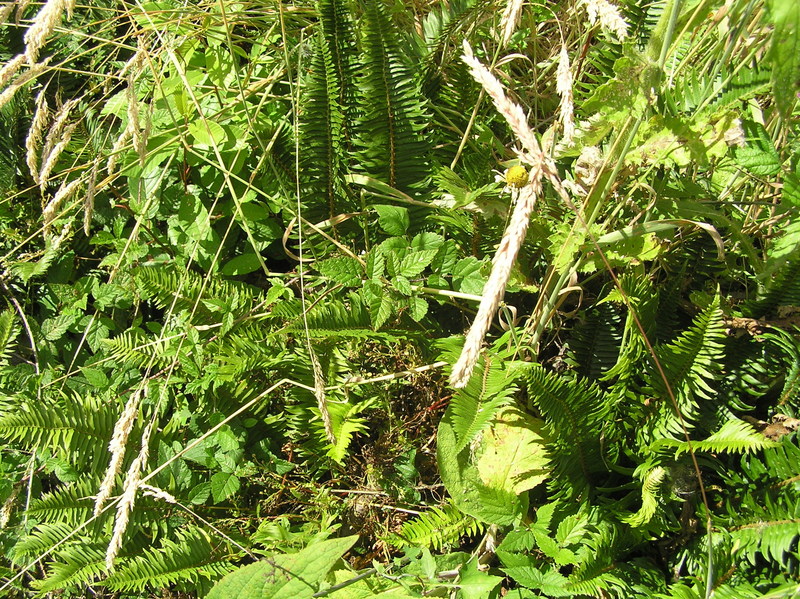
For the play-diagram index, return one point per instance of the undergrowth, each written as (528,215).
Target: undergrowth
(242,243)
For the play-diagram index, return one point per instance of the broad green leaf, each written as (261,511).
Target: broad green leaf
(241,265)
(402,284)
(393,219)
(791,188)
(759,155)
(342,269)
(223,485)
(199,494)
(785,53)
(415,262)
(513,455)
(288,576)
(470,494)
(418,308)
(467,277)
(207,133)
(475,584)
(427,241)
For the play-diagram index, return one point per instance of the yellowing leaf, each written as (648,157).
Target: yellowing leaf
(513,456)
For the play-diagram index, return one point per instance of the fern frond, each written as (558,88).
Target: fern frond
(473,408)
(651,481)
(437,528)
(345,424)
(772,532)
(323,120)
(71,504)
(390,133)
(190,558)
(336,318)
(762,508)
(208,298)
(136,350)
(782,290)
(9,329)
(575,412)
(77,428)
(41,540)
(735,436)
(690,364)
(595,344)
(77,565)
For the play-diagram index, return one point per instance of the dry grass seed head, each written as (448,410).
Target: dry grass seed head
(564,89)
(128,498)
(88,202)
(5,11)
(24,78)
(47,19)
(11,68)
(34,138)
(53,156)
(117,445)
(495,287)
(607,15)
(514,235)
(54,205)
(511,111)
(510,19)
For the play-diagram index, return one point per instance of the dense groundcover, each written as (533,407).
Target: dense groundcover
(373,298)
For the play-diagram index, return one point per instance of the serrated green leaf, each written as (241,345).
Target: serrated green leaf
(376,264)
(199,494)
(418,308)
(207,133)
(288,576)
(414,263)
(223,485)
(393,219)
(427,241)
(402,284)
(380,309)
(759,155)
(342,269)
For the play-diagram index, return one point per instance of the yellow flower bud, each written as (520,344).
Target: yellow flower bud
(517,176)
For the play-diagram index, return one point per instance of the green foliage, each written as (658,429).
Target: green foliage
(284,218)
(436,529)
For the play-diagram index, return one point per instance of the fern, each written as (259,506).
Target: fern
(189,558)
(42,539)
(473,408)
(323,118)
(735,436)
(763,512)
(76,428)
(689,364)
(9,330)
(782,290)
(135,349)
(345,424)
(575,413)
(394,149)
(594,346)
(207,298)
(436,528)
(71,504)
(652,480)
(79,564)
